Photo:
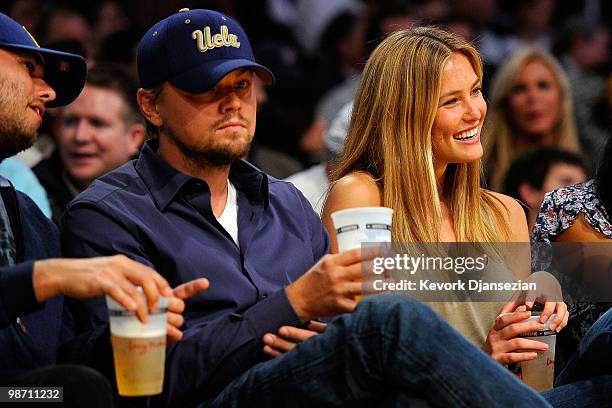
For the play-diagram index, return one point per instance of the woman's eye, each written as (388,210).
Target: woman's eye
(449,102)
(518,88)
(543,85)
(477,91)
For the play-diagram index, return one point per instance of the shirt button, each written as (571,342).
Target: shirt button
(21,326)
(264,296)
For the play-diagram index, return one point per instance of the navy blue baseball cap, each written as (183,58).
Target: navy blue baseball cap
(195,49)
(64,72)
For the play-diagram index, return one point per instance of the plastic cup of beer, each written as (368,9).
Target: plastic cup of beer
(539,373)
(356,226)
(139,350)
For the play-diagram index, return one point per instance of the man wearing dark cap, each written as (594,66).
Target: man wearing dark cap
(190,207)
(31,79)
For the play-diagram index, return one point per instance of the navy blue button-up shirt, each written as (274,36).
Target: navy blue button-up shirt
(160,217)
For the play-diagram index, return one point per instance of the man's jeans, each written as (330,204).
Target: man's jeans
(586,381)
(391,349)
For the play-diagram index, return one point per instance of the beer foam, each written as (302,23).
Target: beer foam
(139,335)
(130,326)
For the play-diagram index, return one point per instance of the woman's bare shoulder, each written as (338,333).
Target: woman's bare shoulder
(514,216)
(358,189)
(358,181)
(507,204)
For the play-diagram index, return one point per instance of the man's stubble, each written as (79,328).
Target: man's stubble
(16,133)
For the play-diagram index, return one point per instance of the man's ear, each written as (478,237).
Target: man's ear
(147,102)
(136,134)
(529,195)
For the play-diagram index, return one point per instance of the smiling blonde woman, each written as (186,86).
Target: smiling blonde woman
(413,145)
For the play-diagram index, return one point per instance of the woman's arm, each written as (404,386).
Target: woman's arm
(353,190)
(502,343)
(514,216)
(582,231)
(515,246)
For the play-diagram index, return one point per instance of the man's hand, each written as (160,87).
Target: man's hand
(288,337)
(115,276)
(505,347)
(329,287)
(176,305)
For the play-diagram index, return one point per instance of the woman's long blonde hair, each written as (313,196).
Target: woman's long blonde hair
(389,137)
(498,134)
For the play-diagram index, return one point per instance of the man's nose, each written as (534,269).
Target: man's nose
(44,92)
(82,131)
(230,102)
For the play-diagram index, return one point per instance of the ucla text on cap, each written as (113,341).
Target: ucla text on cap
(206,41)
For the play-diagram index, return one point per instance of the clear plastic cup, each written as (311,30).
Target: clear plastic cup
(139,350)
(357,226)
(539,374)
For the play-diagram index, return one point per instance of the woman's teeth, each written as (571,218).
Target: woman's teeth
(468,134)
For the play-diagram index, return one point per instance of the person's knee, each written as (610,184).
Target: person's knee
(388,302)
(605,321)
(600,332)
(383,309)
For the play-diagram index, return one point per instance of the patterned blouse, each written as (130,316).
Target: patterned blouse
(559,210)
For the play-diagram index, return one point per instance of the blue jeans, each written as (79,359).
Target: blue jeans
(595,392)
(594,354)
(586,380)
(391,349)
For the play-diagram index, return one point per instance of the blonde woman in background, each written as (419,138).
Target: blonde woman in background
(413,145)
(531,107)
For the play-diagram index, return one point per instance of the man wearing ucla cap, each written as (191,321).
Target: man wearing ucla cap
(195,49)
(190,207)
(31,79)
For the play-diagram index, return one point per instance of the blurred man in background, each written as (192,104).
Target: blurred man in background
(539,171)
(100,130)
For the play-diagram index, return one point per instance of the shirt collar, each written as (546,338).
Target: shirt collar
(164,181)
(251,181)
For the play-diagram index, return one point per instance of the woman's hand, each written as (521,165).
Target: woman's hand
(505,347)
(548,292)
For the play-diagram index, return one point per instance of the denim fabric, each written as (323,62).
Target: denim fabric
(390,349)
(594,355)
(595,392)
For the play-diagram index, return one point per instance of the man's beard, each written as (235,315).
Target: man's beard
(207,156)
(14,138)
(15,133)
